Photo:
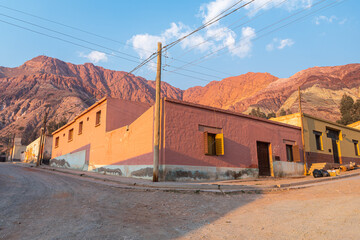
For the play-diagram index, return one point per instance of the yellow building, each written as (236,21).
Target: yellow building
(355,125)
(326,141)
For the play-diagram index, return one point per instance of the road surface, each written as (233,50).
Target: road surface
(38,204)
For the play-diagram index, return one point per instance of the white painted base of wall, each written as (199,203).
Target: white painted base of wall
(71,160)
(287,169)
(191,173)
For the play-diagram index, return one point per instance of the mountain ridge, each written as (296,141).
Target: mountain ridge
(26,91)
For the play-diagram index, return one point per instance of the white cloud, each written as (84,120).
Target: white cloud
(325,19)
(270,47)
(343,21)
(243,47)
(279,44)
(217,36)
(289,5)
(95,56)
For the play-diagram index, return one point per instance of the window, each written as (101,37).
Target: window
(57,139)
(214,143)
(289,153)
(80,127)
(318,139)
(356,147)
(71,135)
(98,118)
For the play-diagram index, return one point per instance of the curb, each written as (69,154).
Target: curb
(217,189)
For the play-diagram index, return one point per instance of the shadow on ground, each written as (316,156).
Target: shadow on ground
(42,205)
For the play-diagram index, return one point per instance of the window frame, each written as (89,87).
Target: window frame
(57,141)
(289,158)
(319,140)
(98,118)
(214,144)
(71,135)
(81,125)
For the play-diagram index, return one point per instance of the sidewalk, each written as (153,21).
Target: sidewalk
(258,185)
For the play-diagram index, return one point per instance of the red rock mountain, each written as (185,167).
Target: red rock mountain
(67,89)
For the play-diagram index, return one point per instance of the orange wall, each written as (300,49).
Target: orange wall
(123,112)
(130,147)
(120,146)
(90,134)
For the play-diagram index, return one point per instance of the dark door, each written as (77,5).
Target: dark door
(335,151)
(263,158)
(334,135)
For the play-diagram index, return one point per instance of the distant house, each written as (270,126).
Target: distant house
(32,150)
(17,150)
(197,142)
(326,141)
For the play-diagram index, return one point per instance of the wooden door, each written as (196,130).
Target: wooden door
(335,151)
(263,159)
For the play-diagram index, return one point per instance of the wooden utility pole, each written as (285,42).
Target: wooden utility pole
(302,132)
(157,117)
(41,141)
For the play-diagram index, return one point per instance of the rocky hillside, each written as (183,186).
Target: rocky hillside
(321,89)
(67,89)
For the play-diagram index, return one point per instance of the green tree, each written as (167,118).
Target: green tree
(271,115)
(347,110)
(53,125)
(257,113)
(282,112)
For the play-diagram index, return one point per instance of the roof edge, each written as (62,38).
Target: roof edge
(82,113)
(229,112)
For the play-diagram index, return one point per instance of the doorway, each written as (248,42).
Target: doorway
(334,136)
(263,158)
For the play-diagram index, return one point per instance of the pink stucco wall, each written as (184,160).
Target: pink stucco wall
(184,143)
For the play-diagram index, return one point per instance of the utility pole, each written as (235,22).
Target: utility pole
(302,132)
(41,142)
(157,117)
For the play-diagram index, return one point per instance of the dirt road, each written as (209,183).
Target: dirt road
(44,205)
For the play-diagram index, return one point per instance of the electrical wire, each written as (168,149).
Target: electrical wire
(172,44)
(71,27)
(195,62)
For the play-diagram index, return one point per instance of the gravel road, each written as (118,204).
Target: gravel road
(37,204)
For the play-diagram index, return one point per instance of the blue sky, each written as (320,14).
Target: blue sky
(326,34)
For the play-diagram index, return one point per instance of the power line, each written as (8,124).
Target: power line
(68,35)
(213,36)
(170,45)
(71,27)
(79,39)
(298,19)
(268,26)
(64,40)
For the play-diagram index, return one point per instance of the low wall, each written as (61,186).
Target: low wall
(201,173)
(285,169)
(137,171)
(75,160)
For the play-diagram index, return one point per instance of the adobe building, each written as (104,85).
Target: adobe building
(32,150)
(197,142)
(16,151)
(326,141)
